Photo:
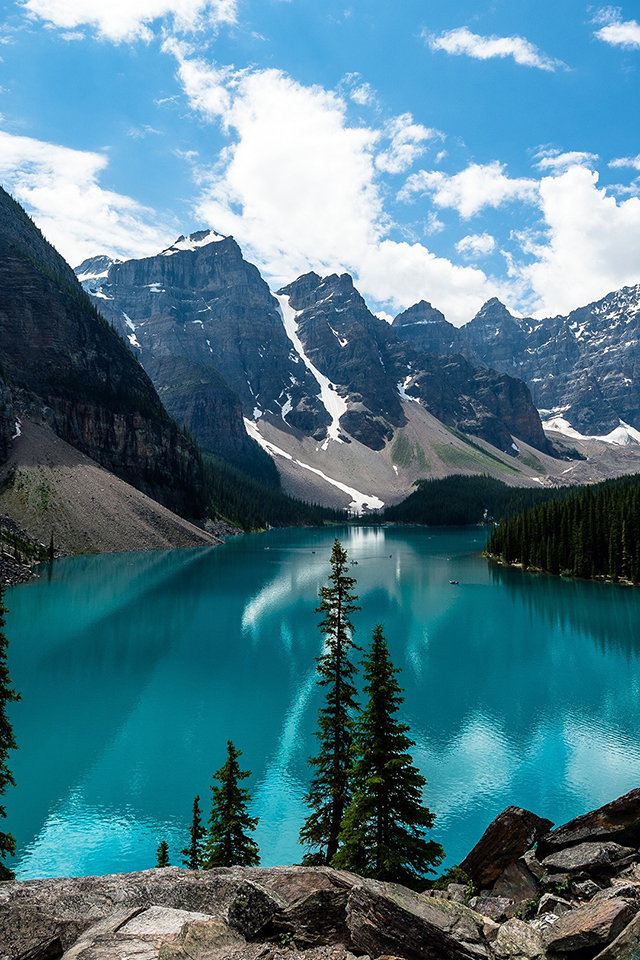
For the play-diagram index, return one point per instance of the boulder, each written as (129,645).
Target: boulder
(588,927)
(34,910)
(517,883)
(533,865)
(587,857)
(497,908)
(618,821)
(387,919)
(47,950)
(625,891)
(625,945)
(586,889)
(550,903)
(516,940)
(144,934)
(506,839)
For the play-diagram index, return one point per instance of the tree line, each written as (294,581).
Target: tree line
(365,799)
(591,533)
(459,500)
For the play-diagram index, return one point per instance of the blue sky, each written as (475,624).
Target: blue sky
(446,152)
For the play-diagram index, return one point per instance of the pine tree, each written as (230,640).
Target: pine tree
(329,795)
(162,854)
(228,843)
(383,830)
(7,741)
(192,854)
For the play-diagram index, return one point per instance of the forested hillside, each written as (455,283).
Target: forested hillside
(459,500)
(594,532)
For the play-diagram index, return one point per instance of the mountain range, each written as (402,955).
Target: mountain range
(140,365)
(335,394)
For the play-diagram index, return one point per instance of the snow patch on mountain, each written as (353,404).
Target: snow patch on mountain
(193,242)
(360,502)
(334,404)
(621,436)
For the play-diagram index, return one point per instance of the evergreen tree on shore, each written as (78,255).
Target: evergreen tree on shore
(228,843)
(383,830)
(162,854)
(329,793)
(192,854)
(7,741)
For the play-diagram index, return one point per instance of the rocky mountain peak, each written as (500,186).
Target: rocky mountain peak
(493,311)
(421,312)
(195,241)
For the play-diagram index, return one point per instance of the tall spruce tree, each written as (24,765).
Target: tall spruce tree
(228,843)
(7,741)
(329,793)
(192,854)
(383,830)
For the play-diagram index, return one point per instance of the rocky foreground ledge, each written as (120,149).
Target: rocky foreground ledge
(572,893)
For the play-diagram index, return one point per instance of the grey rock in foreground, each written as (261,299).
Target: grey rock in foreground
(324,914)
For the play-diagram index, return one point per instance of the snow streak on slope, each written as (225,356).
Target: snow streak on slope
(333,403)
(359,501)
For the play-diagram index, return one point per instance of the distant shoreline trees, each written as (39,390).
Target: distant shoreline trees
(593,533)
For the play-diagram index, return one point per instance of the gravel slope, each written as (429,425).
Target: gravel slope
(48,486)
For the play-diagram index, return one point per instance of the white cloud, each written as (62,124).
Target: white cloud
(476,245)
(408,140)
(470,191)
(204,83)
(462,42)
(433,223)
(363,95)
(299,188)
(593,243)
(59,187)
(119,20)
(298,183)
(615,30)
(401,274)
(623,162)
(556,160)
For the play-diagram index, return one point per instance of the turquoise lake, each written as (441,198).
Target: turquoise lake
(135,669)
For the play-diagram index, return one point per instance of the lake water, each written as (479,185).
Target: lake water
(135,669)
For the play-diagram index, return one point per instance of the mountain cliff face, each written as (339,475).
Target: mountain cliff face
(200,300)
(313,358)
(584,366)
(62,364)
(375,368)
(7,418)
(353,349)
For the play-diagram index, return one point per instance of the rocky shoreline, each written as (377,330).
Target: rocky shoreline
(529,893)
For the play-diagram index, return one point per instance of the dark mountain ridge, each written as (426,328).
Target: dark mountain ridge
(62,364)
